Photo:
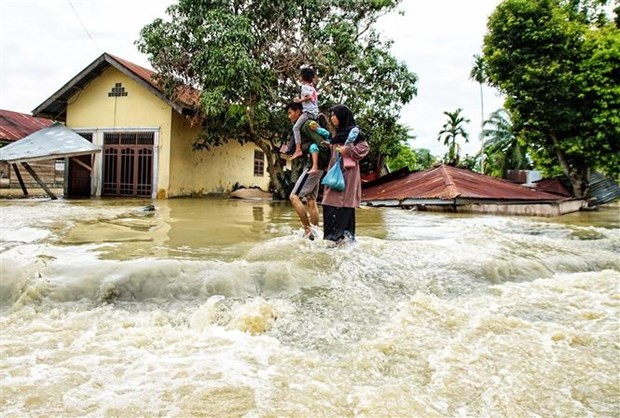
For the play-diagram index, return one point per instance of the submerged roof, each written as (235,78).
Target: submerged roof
(601,188)
(447,183)
(55,107)
(56,141)
(15,125)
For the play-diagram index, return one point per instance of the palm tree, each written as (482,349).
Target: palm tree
(452,129)
(502,149)
(478,74)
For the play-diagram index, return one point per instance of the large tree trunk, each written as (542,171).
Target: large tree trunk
(281,182)
(578,177)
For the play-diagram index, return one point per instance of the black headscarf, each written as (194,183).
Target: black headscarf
(346,122)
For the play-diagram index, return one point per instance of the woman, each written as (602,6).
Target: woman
(339,207)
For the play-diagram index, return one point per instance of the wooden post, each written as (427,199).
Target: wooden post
(21,181)
(38,179)
(75,160)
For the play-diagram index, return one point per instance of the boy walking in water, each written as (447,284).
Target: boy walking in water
(310,107)
(307,185)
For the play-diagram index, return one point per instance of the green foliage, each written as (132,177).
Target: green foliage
(502,149)
(449,134)
(245,56)
(557,62)
(478,71)
(406,158)
(424,159)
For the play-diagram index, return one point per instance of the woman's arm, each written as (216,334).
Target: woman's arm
(357,150)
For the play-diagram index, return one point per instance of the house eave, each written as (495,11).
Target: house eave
(55,107)
(51,157)
(455,201)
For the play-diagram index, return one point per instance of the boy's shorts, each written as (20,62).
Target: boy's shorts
(308,184)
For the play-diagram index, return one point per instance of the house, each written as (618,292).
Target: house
(447,188)
(145,136)
(15,126)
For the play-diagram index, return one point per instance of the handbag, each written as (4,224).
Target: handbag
(348,162)
(334,178)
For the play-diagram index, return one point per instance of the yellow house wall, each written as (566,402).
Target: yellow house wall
(92,108)
(209,172)
(179,170)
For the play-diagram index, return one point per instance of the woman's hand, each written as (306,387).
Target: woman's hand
(344,151)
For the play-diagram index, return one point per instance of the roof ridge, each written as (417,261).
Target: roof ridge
(124,62)
(448,180)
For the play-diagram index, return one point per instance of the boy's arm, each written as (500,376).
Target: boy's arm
(323,132)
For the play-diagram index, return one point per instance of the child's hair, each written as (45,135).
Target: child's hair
(307,74)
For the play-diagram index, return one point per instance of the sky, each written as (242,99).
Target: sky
(45,43)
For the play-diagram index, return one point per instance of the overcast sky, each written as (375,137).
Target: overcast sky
(45,43)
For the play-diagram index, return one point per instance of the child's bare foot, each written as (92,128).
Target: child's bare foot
(313,170)
(297,154)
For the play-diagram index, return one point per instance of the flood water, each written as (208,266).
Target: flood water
(213,307)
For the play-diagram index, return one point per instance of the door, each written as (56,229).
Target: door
(79,177)
(128,164)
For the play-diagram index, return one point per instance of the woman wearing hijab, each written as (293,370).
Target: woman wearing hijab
(339,206)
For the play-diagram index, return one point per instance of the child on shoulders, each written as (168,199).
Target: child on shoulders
(310,106)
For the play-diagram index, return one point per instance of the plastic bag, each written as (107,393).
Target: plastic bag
(334,178)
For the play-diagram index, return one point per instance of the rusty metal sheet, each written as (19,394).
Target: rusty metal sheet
(448,183)
(15,125)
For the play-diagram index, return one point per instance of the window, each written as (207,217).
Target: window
(259,163)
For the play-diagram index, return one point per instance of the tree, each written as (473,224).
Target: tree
(406,158)
(501,146)
(557,62)
(245,56)
(424,159)
(478,74)
(450,133)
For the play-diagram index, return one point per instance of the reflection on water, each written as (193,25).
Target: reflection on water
(215,307)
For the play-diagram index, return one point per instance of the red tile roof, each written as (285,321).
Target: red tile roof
(15,125)
(447,183)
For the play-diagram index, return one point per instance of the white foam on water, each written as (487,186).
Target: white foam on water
(424,315)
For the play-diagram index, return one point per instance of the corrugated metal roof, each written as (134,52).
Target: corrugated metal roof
(601,189)
(15,125)
(55,107)
(56,141)
(448,183)
(554,185)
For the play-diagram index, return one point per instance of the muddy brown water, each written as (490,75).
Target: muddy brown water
(215,307)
